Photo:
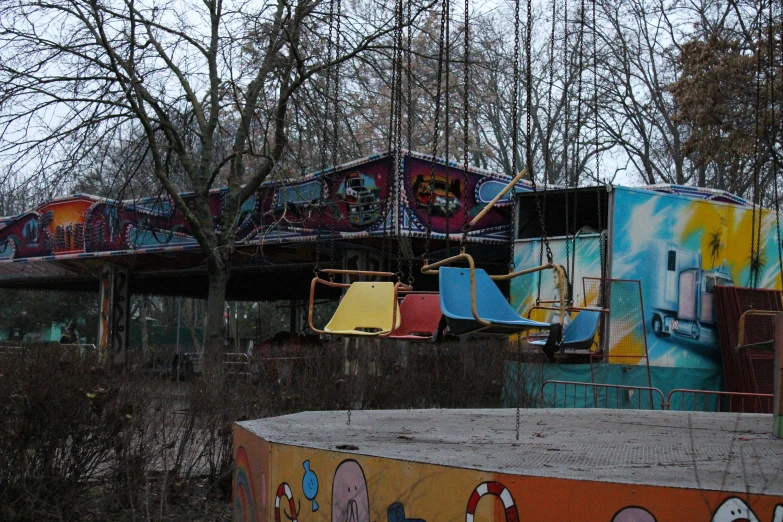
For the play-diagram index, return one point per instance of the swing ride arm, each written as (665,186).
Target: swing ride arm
(562,290)
(398,287)
(494,201)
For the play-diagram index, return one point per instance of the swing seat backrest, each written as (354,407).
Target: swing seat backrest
(420,317)
(491,305)
(367,309)
(580,333)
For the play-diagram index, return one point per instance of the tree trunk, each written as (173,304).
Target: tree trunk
(216,302)
(145,337)
(191,321)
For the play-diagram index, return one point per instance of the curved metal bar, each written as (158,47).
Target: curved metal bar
(432,269)
(358,272)
(741,328)
(492,203)
(568,309)
(561,282)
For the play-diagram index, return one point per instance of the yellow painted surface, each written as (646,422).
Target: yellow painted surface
(355,488)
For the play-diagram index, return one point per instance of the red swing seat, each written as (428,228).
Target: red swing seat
(420,317)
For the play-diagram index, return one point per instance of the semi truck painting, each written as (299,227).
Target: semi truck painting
(363,205)
(685,300)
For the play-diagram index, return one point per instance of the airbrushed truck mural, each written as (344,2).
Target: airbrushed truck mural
(679,247)
(289,483)
(360,199)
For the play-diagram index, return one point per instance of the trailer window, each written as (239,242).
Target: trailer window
(671,262)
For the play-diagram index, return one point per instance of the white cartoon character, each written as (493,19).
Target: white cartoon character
(734,510)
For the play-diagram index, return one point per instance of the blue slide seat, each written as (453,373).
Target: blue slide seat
(579,334)
(491,305)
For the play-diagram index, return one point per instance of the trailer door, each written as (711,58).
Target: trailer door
(688,296)
(708,300)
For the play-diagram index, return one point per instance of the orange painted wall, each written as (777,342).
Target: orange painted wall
(398,491)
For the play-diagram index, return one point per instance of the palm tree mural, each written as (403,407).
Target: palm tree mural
(715,245)
(757,264)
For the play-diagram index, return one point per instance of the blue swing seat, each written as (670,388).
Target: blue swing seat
(579,334)
(491,305)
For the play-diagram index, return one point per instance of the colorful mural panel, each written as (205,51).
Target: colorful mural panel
(679,249)
(527,254)
(355,200)
(365,489)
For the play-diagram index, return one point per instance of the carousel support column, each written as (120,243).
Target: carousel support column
(113,323)
(777,405)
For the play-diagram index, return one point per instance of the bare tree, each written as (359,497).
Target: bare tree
(207,86)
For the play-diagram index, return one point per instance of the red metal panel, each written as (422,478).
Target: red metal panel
(747,369)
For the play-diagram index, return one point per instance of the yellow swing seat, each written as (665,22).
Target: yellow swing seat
(368,308)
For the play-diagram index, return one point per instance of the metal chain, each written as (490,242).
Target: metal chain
(539,209)
(577,158)
(602,289)
(514,134)
(446,127)
(398,138)
(547,143)
(566,124)
(466,124)
(435,124)
(409,115)
(754,252)
(519,385)
(773,135)
(409,121)
(386,248)
(602,286)
(324,142)
(336,122)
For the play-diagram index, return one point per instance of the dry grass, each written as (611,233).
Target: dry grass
(80,441)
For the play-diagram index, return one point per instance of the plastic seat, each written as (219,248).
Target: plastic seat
(368,309)
(579,334)
(491,305)
(420,317)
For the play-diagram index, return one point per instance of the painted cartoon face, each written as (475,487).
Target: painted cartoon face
(734,510)
(350,500)
(310,484)
(633,514)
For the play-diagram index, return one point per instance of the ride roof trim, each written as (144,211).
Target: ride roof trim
(357,200)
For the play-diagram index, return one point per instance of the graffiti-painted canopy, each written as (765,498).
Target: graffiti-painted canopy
(62,243)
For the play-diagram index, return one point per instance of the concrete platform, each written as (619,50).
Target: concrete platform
(433,465)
